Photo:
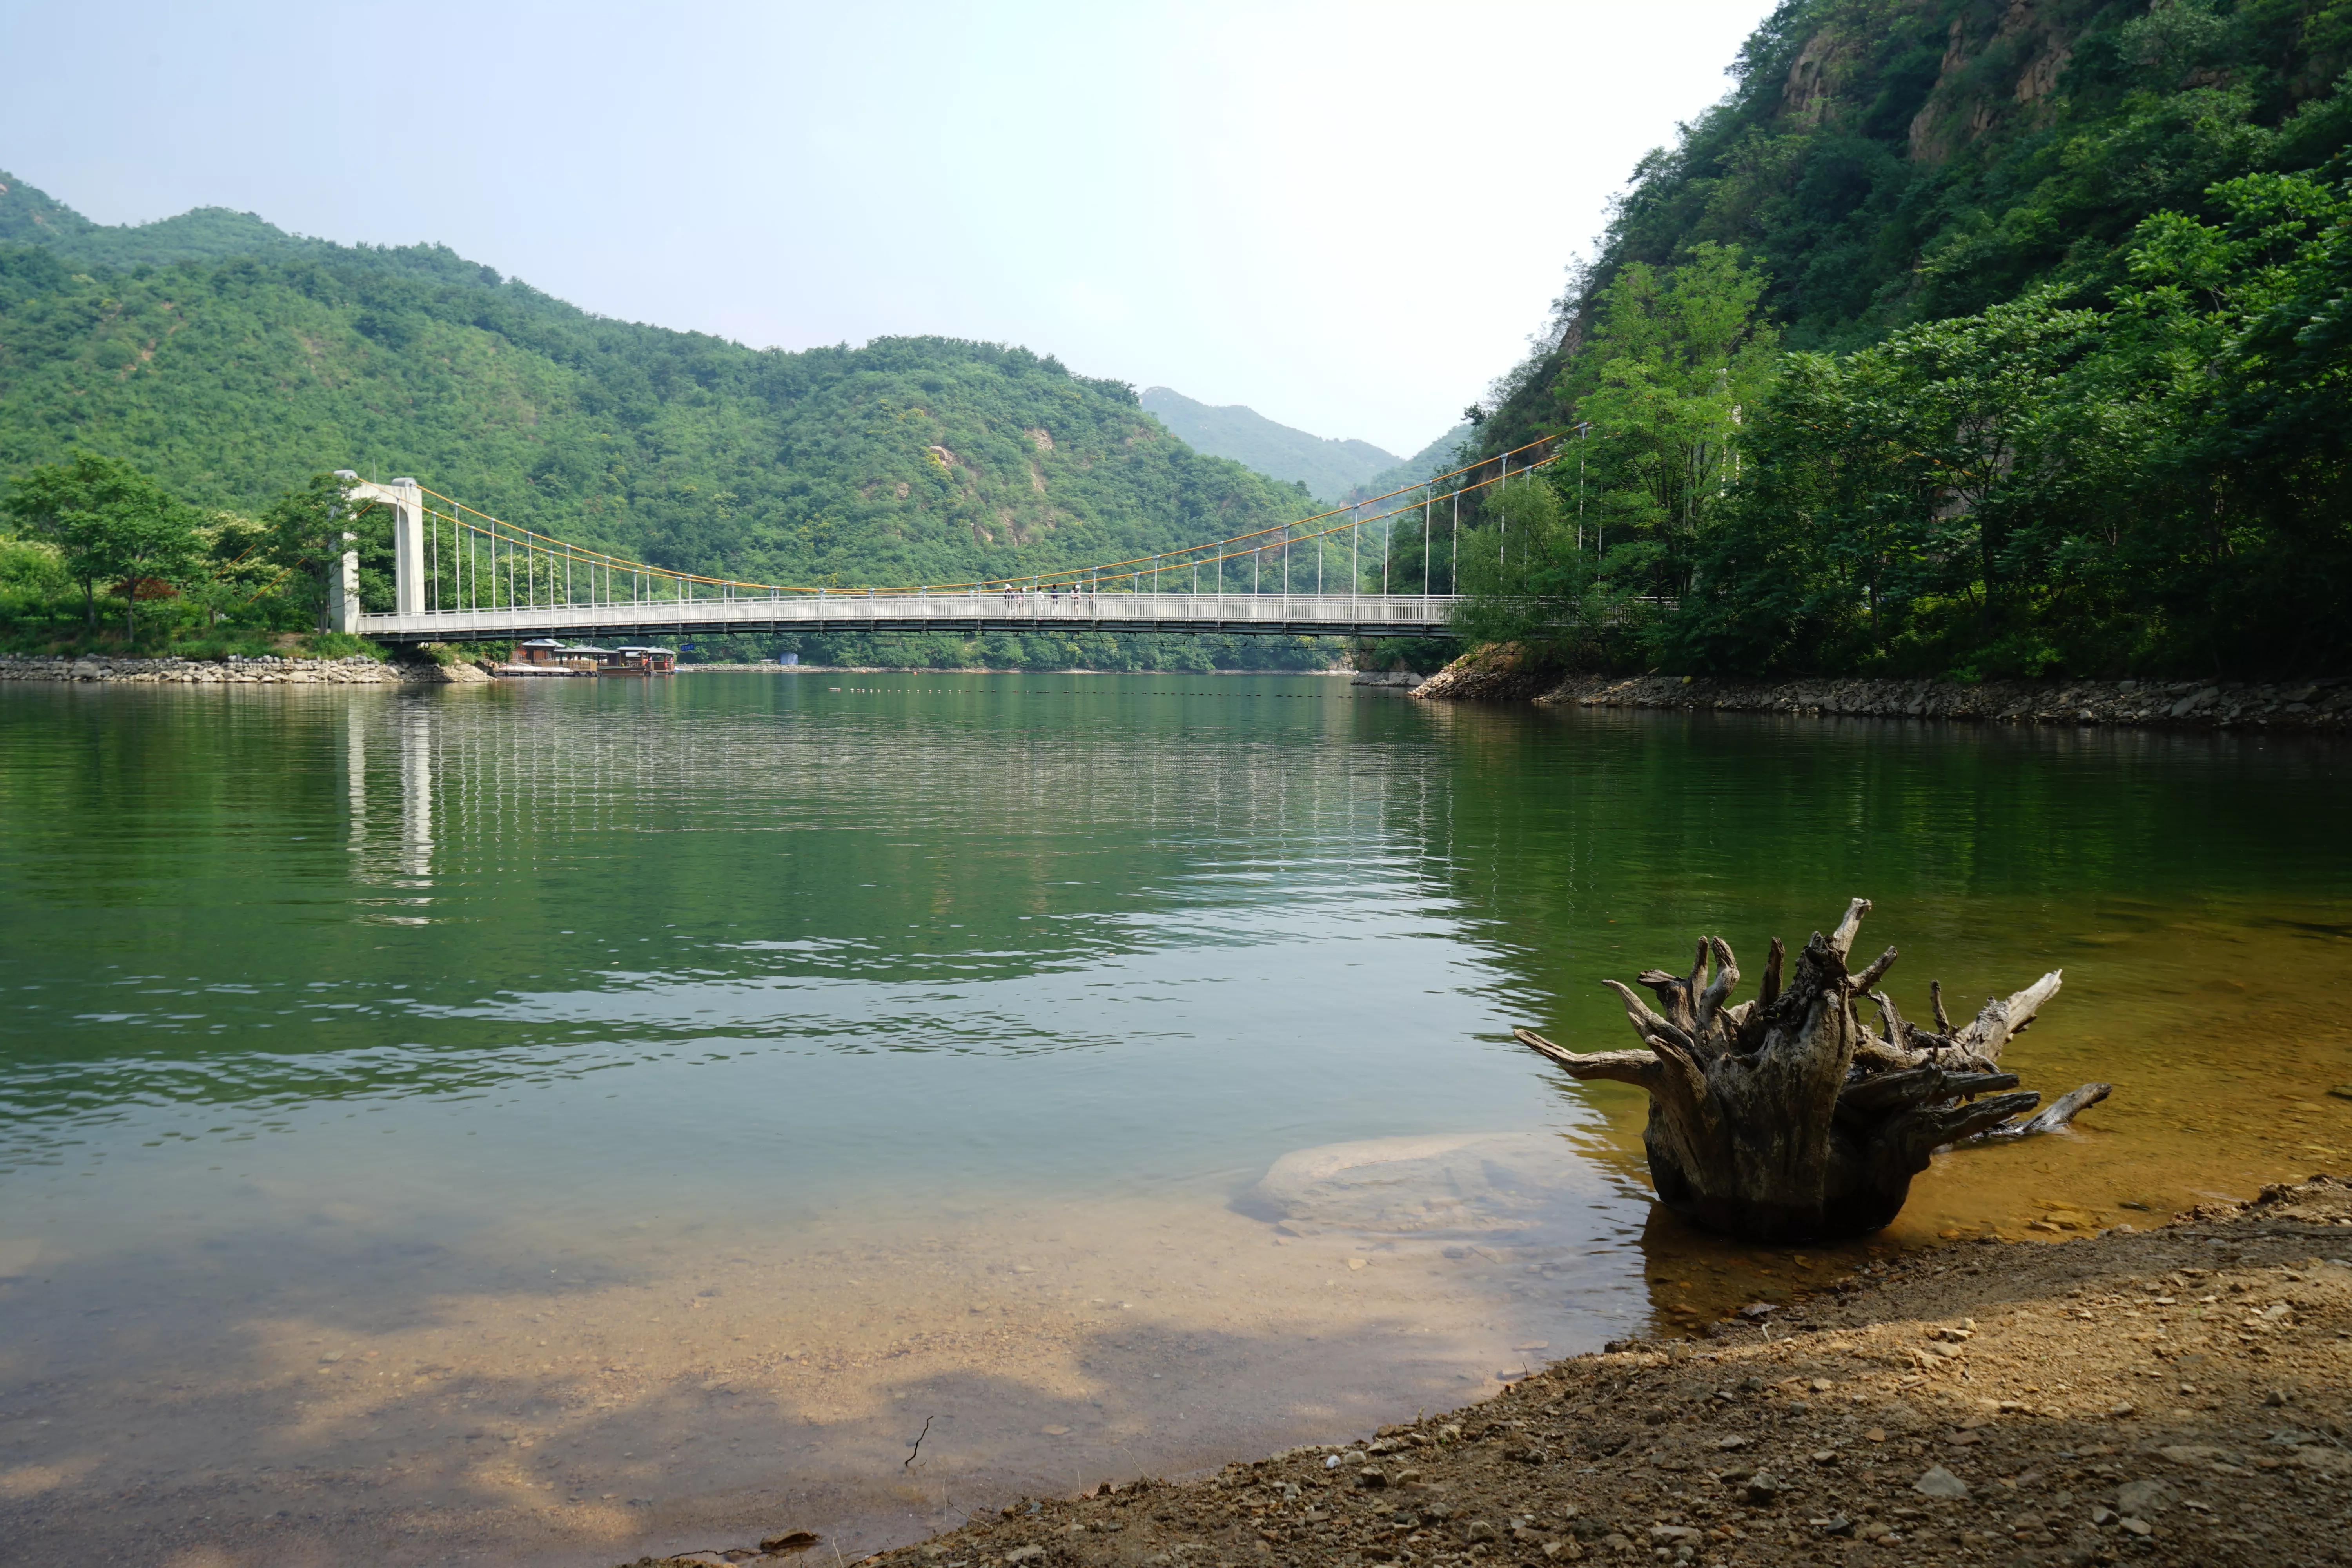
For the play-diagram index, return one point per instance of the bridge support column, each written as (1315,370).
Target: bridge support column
(343,588)
(408,546)
(406,499)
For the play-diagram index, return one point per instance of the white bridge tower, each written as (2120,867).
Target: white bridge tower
(406,499)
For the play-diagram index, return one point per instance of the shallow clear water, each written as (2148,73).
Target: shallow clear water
(585,1115)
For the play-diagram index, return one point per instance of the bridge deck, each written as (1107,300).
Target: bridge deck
(1295,614)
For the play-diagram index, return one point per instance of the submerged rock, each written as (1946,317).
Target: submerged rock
(1458,1184)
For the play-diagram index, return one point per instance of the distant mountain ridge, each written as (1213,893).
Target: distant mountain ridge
(230,360)
(1332,470)
(31,217)
(1439,456)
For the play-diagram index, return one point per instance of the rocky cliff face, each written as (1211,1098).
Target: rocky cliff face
(1884,162)
(1996,76)
(2000,66)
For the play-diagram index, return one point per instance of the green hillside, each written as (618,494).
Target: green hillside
(1332,470)
(1972,338)
(1439,456)
(1886,161)
(231,361)
(29,217)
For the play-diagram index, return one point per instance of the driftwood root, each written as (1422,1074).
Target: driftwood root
(1788,1117)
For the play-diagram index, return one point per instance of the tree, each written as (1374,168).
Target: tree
(1984,440)
(1531,575)
(1677,361)
(237,564)
(1571,561)
(108,521)
(2245,328)
(151,542)
(304,529)
(1939,485)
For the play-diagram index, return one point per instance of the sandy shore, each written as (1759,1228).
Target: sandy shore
(2171,1396)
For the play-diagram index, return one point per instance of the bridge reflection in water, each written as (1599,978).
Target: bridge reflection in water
(531,883)
(463,794)
(387,854)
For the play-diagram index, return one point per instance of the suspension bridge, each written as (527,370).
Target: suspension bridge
(462,576)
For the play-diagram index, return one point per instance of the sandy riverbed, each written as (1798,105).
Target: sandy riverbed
(2175,1395)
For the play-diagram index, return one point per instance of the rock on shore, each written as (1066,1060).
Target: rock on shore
(1498,672)
(266,670)
(2323,704)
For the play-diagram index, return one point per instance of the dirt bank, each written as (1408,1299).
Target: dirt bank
(1504,674)
(2173,1395)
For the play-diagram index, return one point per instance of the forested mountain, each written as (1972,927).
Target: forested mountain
(1982,336)
(1439,456)
(1332,470)
(28,216)
(1886,161)
(230,360)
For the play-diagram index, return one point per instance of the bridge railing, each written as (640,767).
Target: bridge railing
(1303,613)
(456,564)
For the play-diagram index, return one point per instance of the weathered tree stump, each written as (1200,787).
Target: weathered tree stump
(1787,1118)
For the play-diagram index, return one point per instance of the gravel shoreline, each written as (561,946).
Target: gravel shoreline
(2174,1395)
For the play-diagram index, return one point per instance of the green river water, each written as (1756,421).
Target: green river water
(554,1121)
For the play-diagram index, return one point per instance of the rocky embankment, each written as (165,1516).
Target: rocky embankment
(2174,1395)
(267,670)
(2201,704)
(1498,672)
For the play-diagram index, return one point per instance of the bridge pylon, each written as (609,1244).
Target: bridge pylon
(406,499)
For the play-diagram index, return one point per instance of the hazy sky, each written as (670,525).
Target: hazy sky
(1348,216)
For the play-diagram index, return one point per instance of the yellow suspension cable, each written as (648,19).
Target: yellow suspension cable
(1182,556)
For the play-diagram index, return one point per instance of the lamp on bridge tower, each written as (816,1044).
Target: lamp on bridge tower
(406,499)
